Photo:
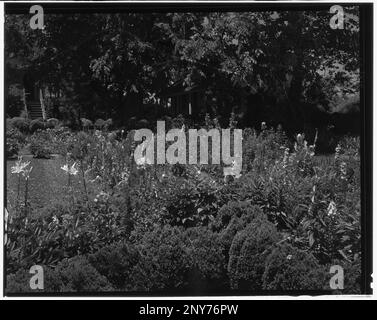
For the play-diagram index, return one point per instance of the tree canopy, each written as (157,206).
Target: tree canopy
(104,63)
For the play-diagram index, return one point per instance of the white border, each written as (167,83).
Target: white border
(304,297)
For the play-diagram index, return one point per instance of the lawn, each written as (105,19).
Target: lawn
(155,229)
(48,182)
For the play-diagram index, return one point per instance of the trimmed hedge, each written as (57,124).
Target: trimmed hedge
(116,262)
(164,261)
(288,268)
(37,124)
(73,275)
(22,124)
(248,252)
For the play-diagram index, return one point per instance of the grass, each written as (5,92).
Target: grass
(48,182)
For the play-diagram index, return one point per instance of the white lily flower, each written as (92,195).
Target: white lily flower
(26,173)
(71,170)
(20,166)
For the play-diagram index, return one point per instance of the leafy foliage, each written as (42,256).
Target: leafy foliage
(21,124)
(71,275)
(37,124)
(292,56)
(14,141)
(288,268)
(248,253)
(39,144)
(186,229)
(164,262)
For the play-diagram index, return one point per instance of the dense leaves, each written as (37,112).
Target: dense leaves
(103,65)
(281,225)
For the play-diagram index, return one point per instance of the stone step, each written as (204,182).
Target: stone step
(35,110)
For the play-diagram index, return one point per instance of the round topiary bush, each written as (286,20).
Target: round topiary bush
(19,282)
(40,145)
(115,262)
(143,123)
(22,124)
(234,210)
(99,124)
(70,275)
(288,268)
(132,122)
(37,124)
(164,261)
(14,140)
(86,123)
(232,218)
(248,252)
(12,148)
(52,123)
(78,275)
(108,123)
(209,262)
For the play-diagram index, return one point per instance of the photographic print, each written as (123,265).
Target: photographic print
(168,149)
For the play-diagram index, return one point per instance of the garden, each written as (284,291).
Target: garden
(96,221)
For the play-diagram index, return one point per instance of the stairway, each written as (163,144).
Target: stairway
(35,110)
